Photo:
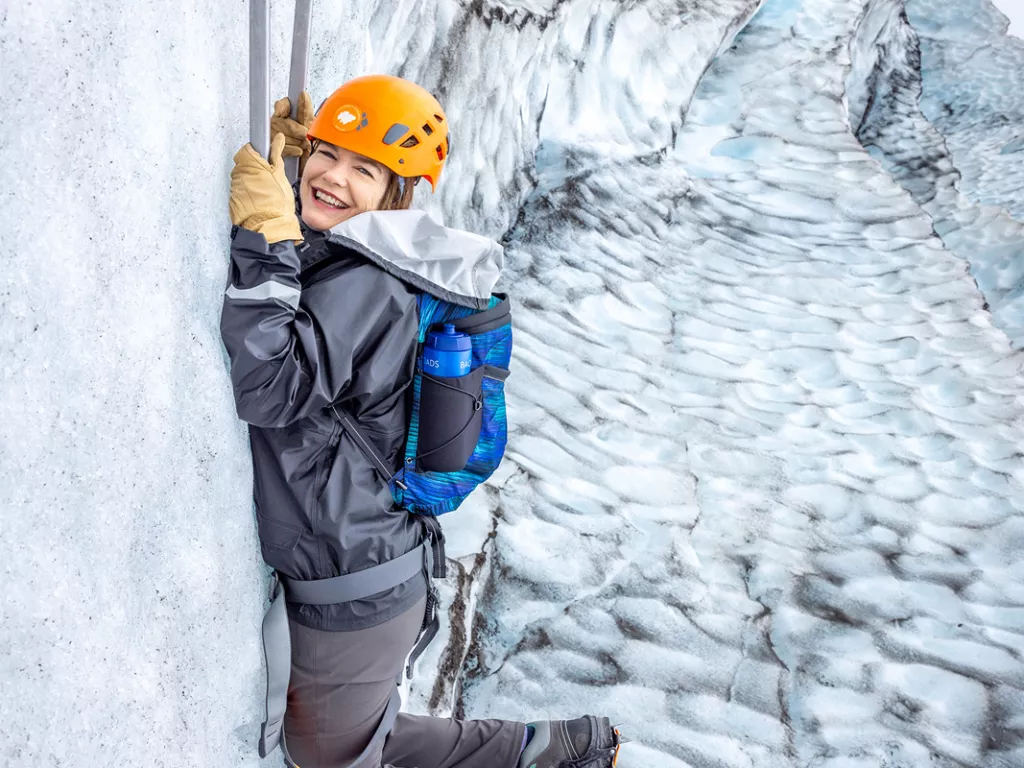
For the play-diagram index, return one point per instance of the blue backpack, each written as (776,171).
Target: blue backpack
(474,403)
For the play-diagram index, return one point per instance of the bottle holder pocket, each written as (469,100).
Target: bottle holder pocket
(450,419)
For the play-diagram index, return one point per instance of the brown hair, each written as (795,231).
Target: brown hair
(398,196)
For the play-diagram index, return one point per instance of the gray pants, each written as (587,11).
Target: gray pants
(340,686)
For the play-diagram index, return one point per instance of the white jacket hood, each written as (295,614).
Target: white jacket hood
(413,246)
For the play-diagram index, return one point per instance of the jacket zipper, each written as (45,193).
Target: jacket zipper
(314,270)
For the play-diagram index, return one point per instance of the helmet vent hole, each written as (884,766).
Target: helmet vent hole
(409,143)
(439,118)
(427,129)
(440,152)
(395,132)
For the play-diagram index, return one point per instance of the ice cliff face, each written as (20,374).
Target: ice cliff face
(962,149)
(763,498)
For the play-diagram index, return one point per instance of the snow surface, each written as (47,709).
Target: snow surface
(763,498)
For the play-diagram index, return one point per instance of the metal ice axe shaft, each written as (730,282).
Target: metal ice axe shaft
(297,76)
(259,76)
(259,73)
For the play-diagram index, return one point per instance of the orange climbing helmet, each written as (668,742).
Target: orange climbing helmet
(390,120)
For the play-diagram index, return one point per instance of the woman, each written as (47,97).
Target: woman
(320,315)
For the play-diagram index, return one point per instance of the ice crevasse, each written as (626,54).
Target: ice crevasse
(763,501)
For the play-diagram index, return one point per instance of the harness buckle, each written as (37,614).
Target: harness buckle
(275,583)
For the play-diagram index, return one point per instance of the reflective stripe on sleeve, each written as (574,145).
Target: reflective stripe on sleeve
(268,290)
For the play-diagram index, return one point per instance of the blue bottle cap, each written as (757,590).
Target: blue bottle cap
(450,340)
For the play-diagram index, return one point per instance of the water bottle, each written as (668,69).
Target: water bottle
(448,353)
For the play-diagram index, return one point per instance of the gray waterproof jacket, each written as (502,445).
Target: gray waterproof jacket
(336,322)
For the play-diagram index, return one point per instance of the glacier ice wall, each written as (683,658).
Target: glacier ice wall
(763,498)
(765,491)
(973,92)
(128,626)
(887,115)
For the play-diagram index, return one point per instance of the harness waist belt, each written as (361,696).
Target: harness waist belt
(359,584)
(340,589)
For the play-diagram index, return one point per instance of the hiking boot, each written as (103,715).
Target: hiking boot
(587,742)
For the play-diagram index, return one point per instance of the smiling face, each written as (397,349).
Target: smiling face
(338,184)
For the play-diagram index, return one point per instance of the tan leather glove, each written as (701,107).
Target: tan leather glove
(261,197)
(295,142)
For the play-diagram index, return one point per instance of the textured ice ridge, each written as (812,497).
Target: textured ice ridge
(764,489)
(885,88)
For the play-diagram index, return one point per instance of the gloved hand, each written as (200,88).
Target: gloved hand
(261,197)
(295,142)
